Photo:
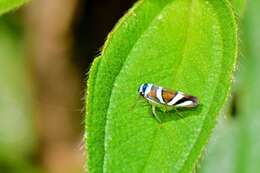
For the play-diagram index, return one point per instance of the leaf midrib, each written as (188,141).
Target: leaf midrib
(178,67)
(113,86)
(185,41)
(156,131)
(180,63)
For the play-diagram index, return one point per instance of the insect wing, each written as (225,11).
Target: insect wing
(186,101)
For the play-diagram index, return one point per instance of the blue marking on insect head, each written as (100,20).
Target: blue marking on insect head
(142,89)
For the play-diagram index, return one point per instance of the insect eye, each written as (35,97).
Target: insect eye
(144,88)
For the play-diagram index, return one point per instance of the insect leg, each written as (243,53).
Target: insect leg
(155,115)
(164,109)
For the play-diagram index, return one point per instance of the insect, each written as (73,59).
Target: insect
(166,99)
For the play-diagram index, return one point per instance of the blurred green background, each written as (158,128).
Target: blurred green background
(17,136)
(46,50)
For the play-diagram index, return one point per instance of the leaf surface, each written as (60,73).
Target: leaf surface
(186,45)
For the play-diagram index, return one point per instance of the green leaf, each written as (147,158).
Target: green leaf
(187,45)
(7,5)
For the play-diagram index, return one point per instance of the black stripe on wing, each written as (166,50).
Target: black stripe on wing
(182,100)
